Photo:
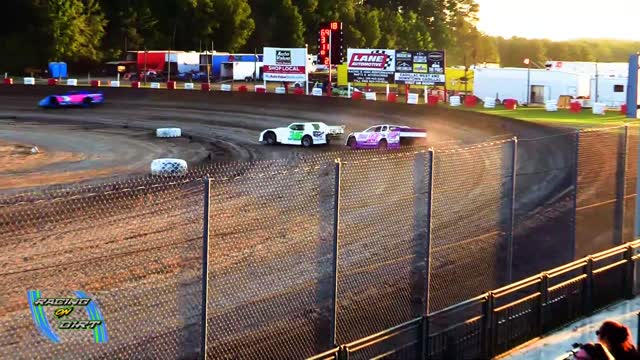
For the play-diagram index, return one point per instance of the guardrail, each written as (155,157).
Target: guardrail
(508,316)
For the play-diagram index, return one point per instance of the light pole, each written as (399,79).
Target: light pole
(528,62)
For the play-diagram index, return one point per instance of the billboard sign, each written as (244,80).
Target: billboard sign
(285,64)
(420,68)
(371,65)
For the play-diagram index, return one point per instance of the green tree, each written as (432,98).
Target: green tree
(76,29)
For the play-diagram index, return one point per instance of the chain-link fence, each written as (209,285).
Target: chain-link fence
(305,254)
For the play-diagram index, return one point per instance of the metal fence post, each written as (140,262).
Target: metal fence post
(629,271)
(512,214)
(205,268)
(544,299)
(336,226)
(588,287)
(575,195)
(487,326)
(621,175)
(424,325)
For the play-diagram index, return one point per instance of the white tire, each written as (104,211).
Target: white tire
(168,132)
(168,167)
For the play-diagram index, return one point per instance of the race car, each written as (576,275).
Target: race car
(385,137)
(72,98)
(303,133)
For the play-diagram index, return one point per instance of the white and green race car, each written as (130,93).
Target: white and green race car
(305,134)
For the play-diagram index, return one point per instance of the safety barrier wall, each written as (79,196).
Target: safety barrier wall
(353,252)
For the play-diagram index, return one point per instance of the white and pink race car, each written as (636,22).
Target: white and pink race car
(385,137)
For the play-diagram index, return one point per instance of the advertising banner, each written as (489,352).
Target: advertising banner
(285,64)
(371,65)
(420,67)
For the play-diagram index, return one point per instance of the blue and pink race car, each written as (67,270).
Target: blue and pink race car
(72,98)
(385,137)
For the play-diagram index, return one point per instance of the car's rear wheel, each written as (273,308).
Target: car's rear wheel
(307,141)
(383,144)
(270,138)
(87,101)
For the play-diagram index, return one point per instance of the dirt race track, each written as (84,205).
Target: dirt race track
(262,267)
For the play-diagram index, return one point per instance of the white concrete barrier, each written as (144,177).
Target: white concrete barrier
(155,85)
(316,91)
(551,105)
(72,82)
(280,90)
(29,81)
(599,108)
(413,98)
(489,103)
(188,86)
(225,87)
(455,101)
(114,83)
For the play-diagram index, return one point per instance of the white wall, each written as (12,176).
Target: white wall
(189,61)
(606,92)
(511,83)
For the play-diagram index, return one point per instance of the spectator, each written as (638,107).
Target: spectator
(591,351)
(617,339)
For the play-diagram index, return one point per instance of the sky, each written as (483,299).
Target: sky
(561,19)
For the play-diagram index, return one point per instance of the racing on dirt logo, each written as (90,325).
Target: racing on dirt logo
(68,314)
(283,57)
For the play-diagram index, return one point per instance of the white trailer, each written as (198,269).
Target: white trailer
(590,68)
(511,83)
(611,90)
(241,70)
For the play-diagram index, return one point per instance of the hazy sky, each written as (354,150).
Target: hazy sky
(561,19)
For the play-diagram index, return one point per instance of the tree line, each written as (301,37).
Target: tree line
(93,31)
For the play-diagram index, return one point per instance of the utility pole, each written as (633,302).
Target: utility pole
(597,97)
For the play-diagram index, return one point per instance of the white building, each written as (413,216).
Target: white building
(511,83)
(590,68)
(610,90)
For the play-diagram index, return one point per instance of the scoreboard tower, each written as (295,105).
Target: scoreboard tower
(330,46)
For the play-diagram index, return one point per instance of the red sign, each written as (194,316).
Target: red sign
(368,61)
(283,69)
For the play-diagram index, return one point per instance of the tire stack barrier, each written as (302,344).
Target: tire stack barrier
(135,84)
(8,81)
(168,132)
(114,83)
(298,91)
(188,86)
(227,87)
(72,82)
(52,82)
(168,167)
(29,81)
(454,101)
(413,98)
(551,105)
(171,85)
(392,97)
(281,90)
(316,91)
(489,103)
(599,108)
(155,85)
(95,83)
(205,87)
(357,95)
(260,89)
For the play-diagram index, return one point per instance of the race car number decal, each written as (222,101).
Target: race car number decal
(318,134)
(295,135)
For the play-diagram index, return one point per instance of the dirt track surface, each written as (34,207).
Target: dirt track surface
(269,262)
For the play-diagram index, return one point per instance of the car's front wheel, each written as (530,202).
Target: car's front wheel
(307,141)
(270,138)
(351,142)
(87,101)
